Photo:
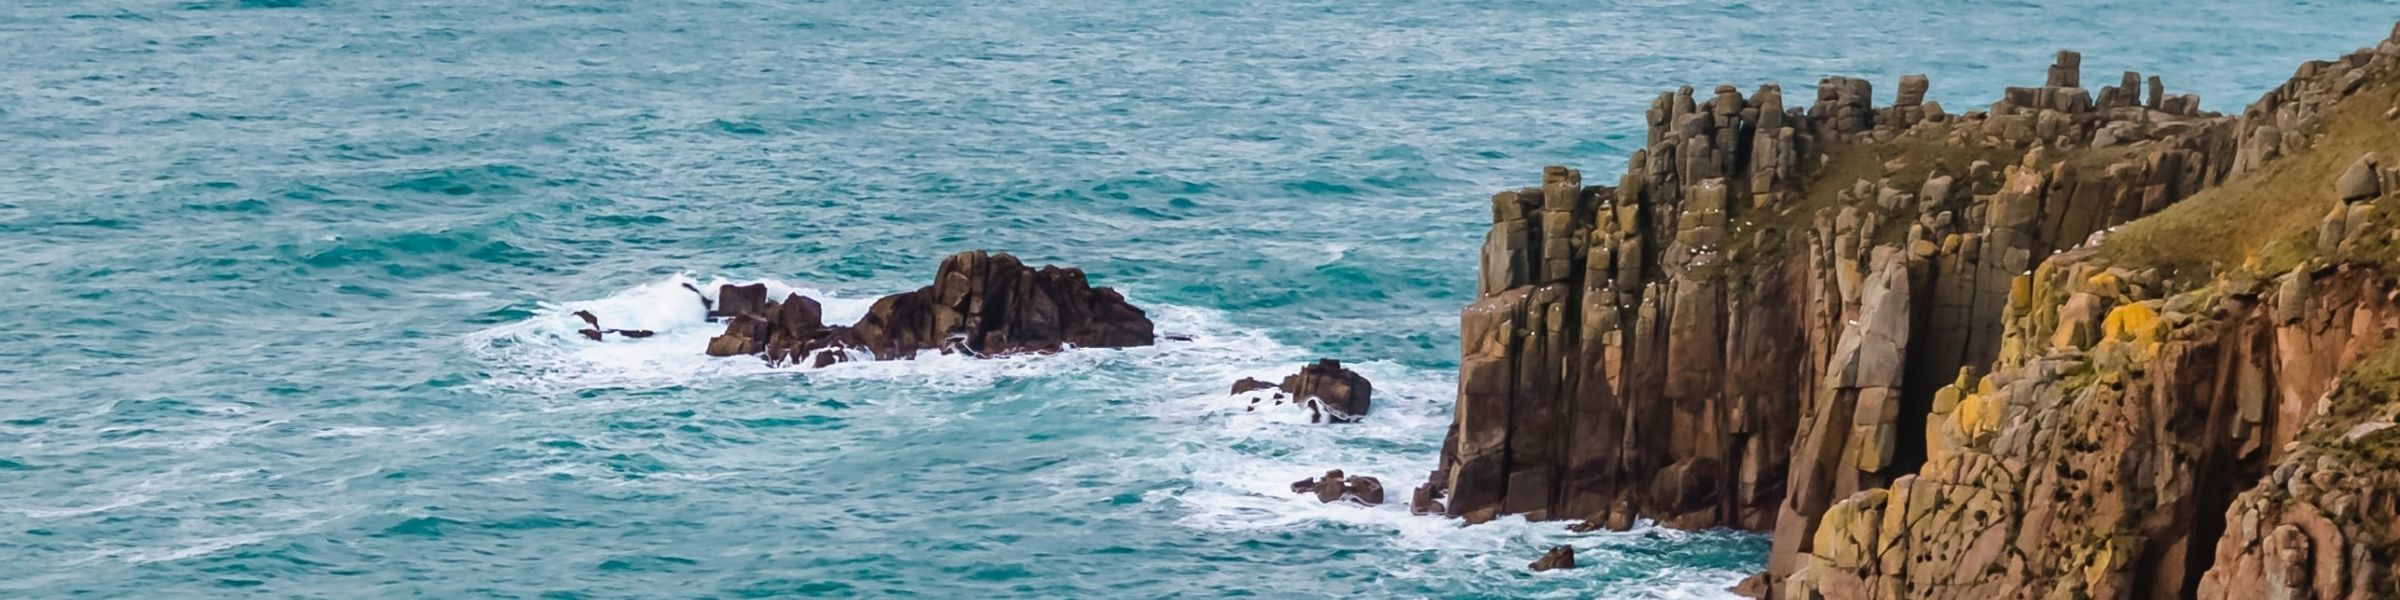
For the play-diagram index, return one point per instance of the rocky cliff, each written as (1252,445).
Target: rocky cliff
(1908,343)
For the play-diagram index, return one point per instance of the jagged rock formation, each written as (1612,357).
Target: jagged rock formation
(980,303)
(1330,393)
(1672,301)
(1776,321)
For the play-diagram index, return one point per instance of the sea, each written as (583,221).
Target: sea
(285,285)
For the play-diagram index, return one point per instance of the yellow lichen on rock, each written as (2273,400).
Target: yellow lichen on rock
(2137,323)
(1847,536)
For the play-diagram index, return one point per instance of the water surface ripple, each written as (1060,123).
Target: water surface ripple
(288,278)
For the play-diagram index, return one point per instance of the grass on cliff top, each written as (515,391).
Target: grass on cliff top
(2270,213)
(1845,164)
(1848,162)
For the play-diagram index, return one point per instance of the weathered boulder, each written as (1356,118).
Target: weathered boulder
(1364,489)
(1345,394)
(1331,393)
(2359,182)
(1561,557)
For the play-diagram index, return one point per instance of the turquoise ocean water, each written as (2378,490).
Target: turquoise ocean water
(285,281)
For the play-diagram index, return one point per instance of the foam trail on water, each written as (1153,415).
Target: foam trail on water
(544,352)
(1241,462)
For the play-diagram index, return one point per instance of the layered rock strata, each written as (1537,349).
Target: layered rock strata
(1882,333)
(980,303)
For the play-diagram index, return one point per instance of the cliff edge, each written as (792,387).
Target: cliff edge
(2072,344)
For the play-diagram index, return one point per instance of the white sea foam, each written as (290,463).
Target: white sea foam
(1238,458)
(545,353)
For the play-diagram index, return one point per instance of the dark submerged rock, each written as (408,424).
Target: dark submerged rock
(596,333)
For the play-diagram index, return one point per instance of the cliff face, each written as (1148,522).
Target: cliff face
(1776,318)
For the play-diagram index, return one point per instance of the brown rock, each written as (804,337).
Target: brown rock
(1561,557)
(2360,181)
(1331,487)
(1754,586)
(1345,393)
(1366,490)
(1305,486)
(741,300)
(1250,384)
(1424,502)
(1330,393)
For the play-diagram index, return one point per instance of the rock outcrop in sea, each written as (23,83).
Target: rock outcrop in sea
(1329,392)
(1335,487)
(980,303)
(2069,345)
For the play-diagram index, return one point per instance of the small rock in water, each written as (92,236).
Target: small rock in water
(1252,384)
(1423,503)
(1335,486)
(1363,489)
(1329,487)
(1562,557)
(596,333)
(1331,393)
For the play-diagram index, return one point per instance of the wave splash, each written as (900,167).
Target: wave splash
(1230,465)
